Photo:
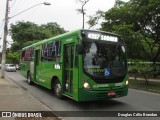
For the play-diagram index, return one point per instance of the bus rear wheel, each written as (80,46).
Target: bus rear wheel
(29,80)
(58,89)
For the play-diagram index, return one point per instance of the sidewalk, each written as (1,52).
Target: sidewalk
(154,80)
(14,98)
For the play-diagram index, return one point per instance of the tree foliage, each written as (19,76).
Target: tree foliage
(138,21)
(94,19)
(25,33)
(13,57)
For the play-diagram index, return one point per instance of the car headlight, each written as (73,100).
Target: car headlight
(127,82)
(86,85)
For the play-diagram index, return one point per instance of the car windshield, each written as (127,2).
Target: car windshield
(102,60)
(11,65)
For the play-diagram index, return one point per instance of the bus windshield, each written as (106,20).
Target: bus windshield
(104,60)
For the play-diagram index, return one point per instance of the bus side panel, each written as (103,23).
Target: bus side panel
(47,71)
(25,67)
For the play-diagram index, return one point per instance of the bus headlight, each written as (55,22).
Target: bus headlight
(86,85)
(127,82)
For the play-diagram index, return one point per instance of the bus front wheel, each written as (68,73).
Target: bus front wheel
(58,89)
(29,80)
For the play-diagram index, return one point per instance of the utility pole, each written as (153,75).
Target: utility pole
(83,13)
(6,32)
(4,41)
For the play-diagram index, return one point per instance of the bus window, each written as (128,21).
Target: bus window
(51,51)
(37,56)
(27,55)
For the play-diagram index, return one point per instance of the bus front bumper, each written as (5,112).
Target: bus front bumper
(90,95)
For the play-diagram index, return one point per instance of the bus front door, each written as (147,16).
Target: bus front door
(37,62)
(70,71)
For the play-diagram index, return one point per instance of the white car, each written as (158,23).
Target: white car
(10,67)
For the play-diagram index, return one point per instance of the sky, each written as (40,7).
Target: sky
(61,11)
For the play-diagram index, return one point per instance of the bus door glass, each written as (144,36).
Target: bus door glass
(69,76)
(37,62)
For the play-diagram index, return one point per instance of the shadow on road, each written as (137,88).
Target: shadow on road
(106,105)
(96,105)
(87,105)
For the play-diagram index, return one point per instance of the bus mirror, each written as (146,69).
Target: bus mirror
(79,48)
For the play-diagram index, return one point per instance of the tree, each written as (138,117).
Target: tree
(148,23)
(94,19)
(52,29)
(25,33)
(138,21)
(13,57)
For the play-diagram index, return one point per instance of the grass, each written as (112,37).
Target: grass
(141,85)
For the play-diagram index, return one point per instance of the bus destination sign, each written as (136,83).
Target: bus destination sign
(98,36)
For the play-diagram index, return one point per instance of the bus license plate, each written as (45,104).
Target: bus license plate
(111,93)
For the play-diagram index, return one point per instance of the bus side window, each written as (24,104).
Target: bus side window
(51,51)
(72,56)
(23,55)
(43,58)
(37,56)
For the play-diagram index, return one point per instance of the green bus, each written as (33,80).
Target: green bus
(83,65)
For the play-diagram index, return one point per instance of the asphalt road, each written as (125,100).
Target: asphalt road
(135,101)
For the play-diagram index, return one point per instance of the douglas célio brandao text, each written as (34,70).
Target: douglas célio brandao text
(137,114)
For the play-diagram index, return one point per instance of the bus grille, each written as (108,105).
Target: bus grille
(102,81)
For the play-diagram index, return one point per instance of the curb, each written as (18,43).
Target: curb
(40,102)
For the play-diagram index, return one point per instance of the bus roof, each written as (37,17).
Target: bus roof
(62,35)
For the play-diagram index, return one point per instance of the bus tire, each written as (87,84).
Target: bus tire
(29,80)
(58,89)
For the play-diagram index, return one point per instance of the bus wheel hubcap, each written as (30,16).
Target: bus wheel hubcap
(58,89)
(29,79)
